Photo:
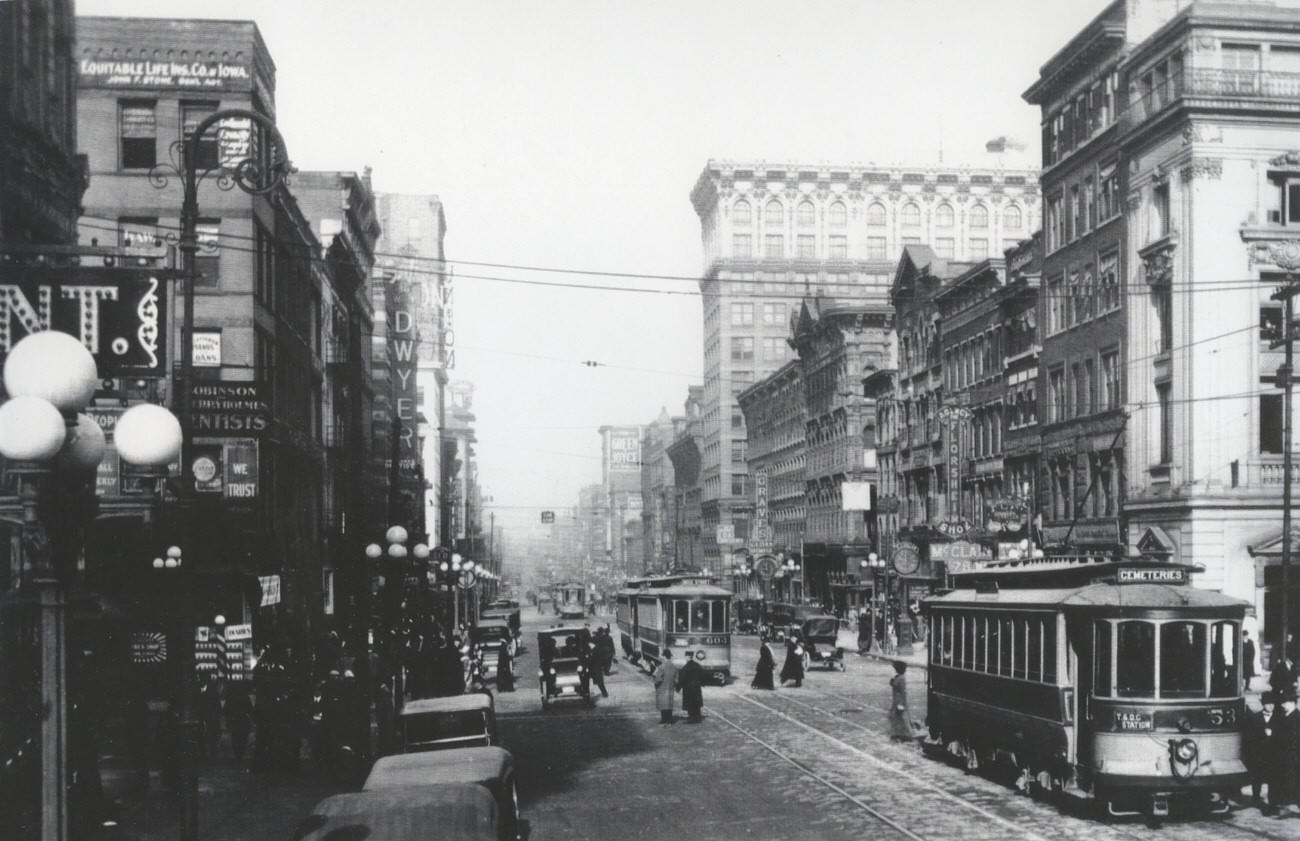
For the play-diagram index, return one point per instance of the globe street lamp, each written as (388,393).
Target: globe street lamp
(393,582)
(53,451)
(458,573)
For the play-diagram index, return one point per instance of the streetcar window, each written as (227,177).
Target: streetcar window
(1020,628)
(1049,650)
(960,624)
(994,643)
(1135,660)
(947,640)
(719,617)
(980,641)
(1034,649)
(1008,647)
(700,616)
(681,616)
(1223,660)
(1182,660)
(1101,659)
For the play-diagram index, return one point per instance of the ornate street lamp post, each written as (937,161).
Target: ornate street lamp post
(394,584)
(53,451)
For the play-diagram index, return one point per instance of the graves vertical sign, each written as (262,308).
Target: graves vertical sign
(119,314)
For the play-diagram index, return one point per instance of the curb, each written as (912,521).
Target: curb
(881,658)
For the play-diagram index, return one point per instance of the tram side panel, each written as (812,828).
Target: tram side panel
(650,624)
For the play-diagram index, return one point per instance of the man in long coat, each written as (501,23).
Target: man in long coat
(690,679)
(1255,736)
(1284,782)
(665,685)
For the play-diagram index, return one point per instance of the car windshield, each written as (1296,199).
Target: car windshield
(821,627)
(438,727)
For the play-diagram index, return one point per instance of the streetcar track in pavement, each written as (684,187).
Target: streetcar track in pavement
(804,769)
(1209,830)
(896,769)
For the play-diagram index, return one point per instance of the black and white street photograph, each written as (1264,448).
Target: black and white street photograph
(587,420)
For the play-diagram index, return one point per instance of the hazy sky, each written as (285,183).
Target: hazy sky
(569,134)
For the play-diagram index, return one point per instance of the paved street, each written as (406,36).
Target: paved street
(807,763)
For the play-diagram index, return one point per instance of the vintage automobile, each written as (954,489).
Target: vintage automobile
(821,642)
(563,672)
(487,637)
(493,768)
(748,614)
(509,615)
(465,812)
(458,721)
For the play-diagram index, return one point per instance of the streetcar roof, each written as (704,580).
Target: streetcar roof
(465,810)
(492,622)
(687,591)
(1136,596)
(450,704)
(460,765)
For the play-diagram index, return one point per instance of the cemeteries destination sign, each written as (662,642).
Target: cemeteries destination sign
(119,314)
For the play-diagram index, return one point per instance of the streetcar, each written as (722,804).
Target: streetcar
(681,611)
(571,596)
(1110,680)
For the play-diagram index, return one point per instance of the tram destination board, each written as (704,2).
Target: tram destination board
(1132,720)
(1150,575)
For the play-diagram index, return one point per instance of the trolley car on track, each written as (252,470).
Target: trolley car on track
(683,612)
(572,597)
(1111,680)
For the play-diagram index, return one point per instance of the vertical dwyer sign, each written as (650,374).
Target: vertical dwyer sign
(403,338)
(117,313)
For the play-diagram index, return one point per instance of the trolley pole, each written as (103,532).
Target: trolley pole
(1284,376)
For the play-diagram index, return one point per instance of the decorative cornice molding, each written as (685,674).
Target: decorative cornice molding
(1211,168)
(1291,158)
(1285,254)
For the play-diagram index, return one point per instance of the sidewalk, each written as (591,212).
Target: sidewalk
(234,804)
(915,660)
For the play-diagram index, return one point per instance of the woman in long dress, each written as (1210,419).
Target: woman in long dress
(766,666)
(792,669)
(900,717)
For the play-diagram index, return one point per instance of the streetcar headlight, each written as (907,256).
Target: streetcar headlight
(1185,751)
(552,671)
(541,673)
(699,655)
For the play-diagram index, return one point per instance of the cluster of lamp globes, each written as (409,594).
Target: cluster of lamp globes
(51,378)
(1023,550)
(396,537)
(872,561)
(789,568)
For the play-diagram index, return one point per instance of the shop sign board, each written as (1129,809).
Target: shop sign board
(234,633)
(270,589)
(1007,514)
(1105,532)
(230,408)
(148,647)
(196,74)
(119,314)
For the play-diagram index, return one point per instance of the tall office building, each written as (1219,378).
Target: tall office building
(775,233)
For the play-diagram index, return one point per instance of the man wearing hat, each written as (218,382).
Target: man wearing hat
(1255,747)
(1284,782)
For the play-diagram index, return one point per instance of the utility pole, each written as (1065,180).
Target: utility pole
(1286,294)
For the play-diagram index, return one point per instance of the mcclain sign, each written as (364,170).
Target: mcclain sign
(119,314)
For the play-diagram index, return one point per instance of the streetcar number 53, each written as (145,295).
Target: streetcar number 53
(1221,717)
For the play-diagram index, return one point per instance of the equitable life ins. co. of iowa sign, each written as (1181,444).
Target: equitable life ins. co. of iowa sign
(119,314)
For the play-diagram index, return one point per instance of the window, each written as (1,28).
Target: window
(264,274)
(1159,210)
(1182,660)
(1166,420)
(1012,218)
(737,419)
(1055,294)
(839,247)
(773,216)
(979,643)
(839,215)
(208,257)
(741,214)
(806,215)
(742,348)
(979,216)
(994,645)
(1108,282)
(191,116)
(741,245)
(911,215)
(773,314)
(1162,299)
(1270,423)
(1108,195)
(773,246)
(1074,224)
(742,314)
(738,453)
(1110,384)
(738,485)
(805,246)
(911,241)
(943,216)
(1089,200)
(1056,395)
(1055,223)
(774,349)
(681,616)
(1101,658)
(1289,213)
(876,248)
(1135,659)
(138,134)
(1241,67)
(1086,405)
(943,247)
(979,249)
(1006,645)
(1034,649)
(876,214)
(1224,681)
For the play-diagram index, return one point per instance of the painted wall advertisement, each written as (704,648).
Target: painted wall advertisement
(623,450)
(119,314)
(184,74)
(230,408)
